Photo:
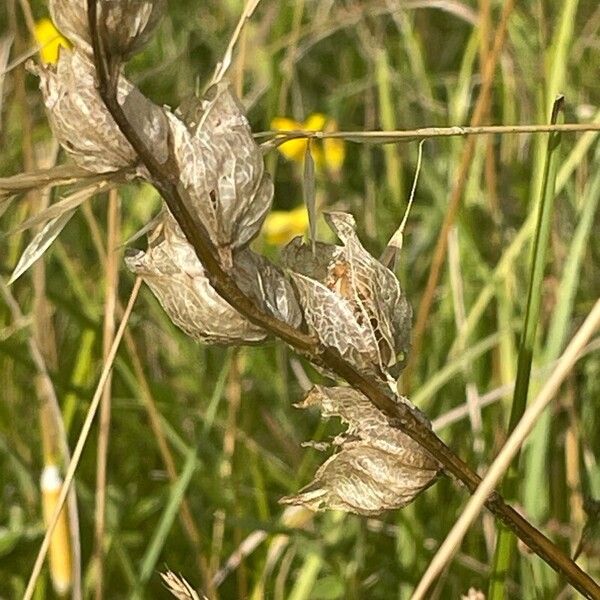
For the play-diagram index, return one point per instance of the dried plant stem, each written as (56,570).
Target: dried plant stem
(83,436)
(412,135)
(479,112)
(110,304)
(509,451)
(154,419)
(165,177)
(223,66)
(42,343)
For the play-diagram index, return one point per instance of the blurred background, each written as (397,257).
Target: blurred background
(204,440)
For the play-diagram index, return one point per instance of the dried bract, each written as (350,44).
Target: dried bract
(83,125)
(350,300)
(266,284)
(126,25)
(178,280)
(377,467)
(173,272)
(222,172)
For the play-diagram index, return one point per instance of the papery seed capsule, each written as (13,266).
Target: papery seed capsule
(128,23)
(377,467)
(350,300)
(178,280)
(221,169)
(83,125)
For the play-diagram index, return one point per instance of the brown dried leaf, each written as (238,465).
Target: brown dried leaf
(377,468)
(351,301)
(129,23)
(222,169)
(83,125)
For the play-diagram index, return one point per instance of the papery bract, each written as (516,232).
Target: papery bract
(222,171)
(83,125)
(350,300)
(128,23)
(377,467)
(177,278)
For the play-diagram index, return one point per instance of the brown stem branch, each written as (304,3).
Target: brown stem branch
(165,177)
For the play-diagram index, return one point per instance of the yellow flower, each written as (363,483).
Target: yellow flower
(329,156)
(49,40)
(283,225)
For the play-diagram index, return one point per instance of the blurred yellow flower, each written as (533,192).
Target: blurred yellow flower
(49,40)
(283,225)
(329,156)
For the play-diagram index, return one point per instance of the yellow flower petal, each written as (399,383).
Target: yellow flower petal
(283,225)
(335,153)
(315,122)
(50,40)
(293,149)
(328,156)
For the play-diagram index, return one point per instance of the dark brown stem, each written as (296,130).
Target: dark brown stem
(165,177)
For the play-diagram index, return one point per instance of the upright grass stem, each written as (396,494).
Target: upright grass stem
(545,204)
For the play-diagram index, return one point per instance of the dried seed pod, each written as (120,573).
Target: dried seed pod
(83,125)
(350,300)
(266,284)
(222,170)
(129,23)
(177,278)
(377,467)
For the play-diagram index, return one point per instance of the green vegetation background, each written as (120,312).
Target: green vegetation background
(368,65)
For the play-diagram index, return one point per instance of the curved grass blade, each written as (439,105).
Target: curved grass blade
(40,243)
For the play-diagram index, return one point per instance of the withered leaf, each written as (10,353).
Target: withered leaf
(222,172)
(129,23)
(350,300)
(40,243)
(83,125)
(377,467)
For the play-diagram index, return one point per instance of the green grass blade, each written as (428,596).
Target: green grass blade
(307,576)
(176,496)
(545,204)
